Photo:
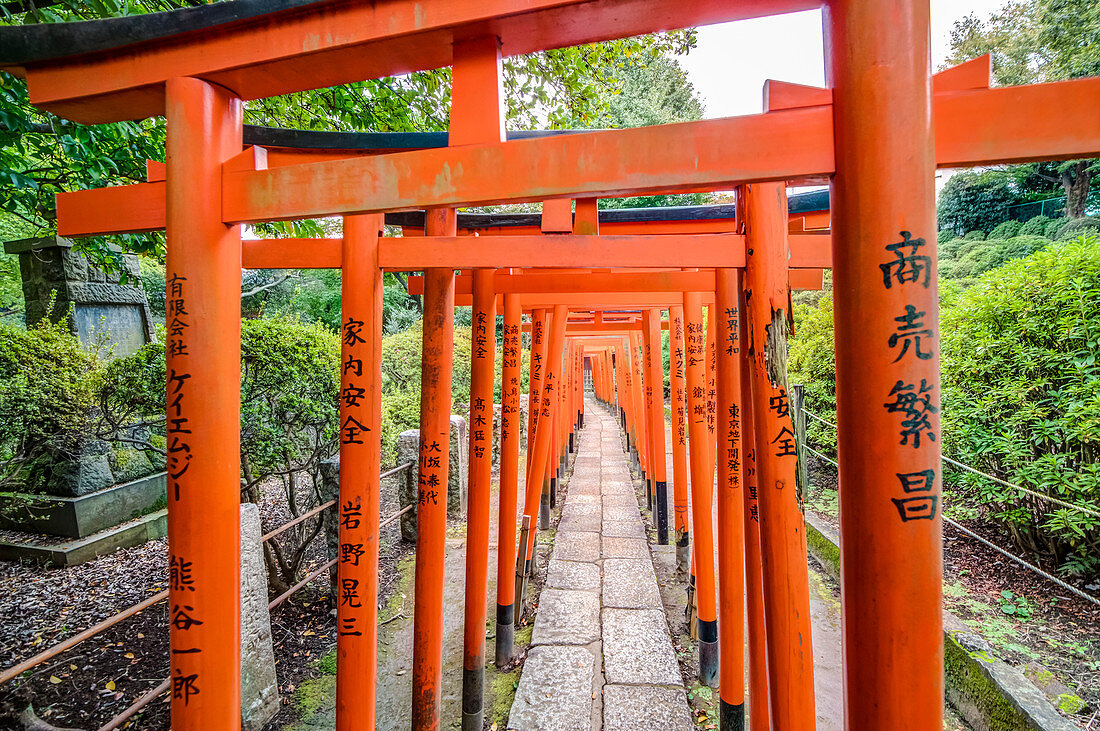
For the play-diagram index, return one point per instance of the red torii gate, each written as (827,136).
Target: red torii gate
(877,116)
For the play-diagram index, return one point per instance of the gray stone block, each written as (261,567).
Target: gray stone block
(577,546)
(458,468)
(630,583)
(622,512)
(77,517)
(259,686)
(579,523)
(637,648)
(567,617)
(573,575)
(645,708)
(623,529)
(555,691)
(625,548)
(408,450)
(621,501)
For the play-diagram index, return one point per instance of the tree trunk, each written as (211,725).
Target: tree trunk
(1075,181)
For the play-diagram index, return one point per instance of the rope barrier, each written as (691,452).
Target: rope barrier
(968,468)
(1068,587)
(92,631)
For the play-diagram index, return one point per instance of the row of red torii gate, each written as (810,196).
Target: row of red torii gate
(875,136)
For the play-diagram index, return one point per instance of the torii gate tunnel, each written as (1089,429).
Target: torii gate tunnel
(875,136)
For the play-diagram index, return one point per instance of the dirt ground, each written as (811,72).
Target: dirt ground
(91,683)
(1058,630)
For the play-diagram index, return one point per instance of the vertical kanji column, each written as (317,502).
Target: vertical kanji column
(482,361)
(541,439)
(431,510)
(887,364)
(731,553)
(655,392)
(509,480)
(360,486)
(759,710)
(782,525)
(477,117)
(678,384)
(702,484)
(203,408)
(641,410)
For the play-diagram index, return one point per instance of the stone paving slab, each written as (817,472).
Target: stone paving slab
(573,575)
(630,583)
(625,547)
(623,529)
(637,648)
(616,489)
(556,691)
(645,708)
(622,512)
(620,500)
(575,522)
(571,509)
(567,617)
(577,546)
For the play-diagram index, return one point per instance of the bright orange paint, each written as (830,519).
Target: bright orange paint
(203,438)
(360,486)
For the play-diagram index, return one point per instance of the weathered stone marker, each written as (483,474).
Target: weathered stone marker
(259,686)
(101,305)
(408,450)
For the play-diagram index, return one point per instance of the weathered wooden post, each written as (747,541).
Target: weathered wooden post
(359,502)
(702,476)
(731,554)
(678,383)
(509,479)
(888,392)
(431,511)
(782,528)
(203,420)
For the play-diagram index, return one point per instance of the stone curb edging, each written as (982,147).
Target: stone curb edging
(988,693)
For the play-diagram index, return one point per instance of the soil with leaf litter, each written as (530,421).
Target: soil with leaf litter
(86,686)
(1025,617)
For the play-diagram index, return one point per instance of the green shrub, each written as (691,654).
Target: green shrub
(1020,246)
(811,362)
(951,248)
(1053,227)
(1034,226)
(975,235)
(47,392)
(1005,230)
(1075,227)
(1021,394)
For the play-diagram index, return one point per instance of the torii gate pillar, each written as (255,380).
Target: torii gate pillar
(884,264)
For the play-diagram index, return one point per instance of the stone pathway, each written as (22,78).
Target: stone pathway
(601,656)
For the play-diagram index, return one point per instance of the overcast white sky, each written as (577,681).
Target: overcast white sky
(732,60)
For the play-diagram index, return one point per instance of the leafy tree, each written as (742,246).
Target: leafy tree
(41,155)
(655,90)
(1033,41)
(973,201)
(1021,393)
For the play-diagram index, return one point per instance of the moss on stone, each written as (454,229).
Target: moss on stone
(824,550)
(1069,703)
(501,692)
(327,663)
(314,696)
(970,685)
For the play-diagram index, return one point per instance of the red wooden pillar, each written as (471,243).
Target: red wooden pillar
(678,383)
(509,480)
(887,363)
(359,502)
(482,362)
(655,392)
(641,417)
(431,516)
(203,408)
(759,709)
(541,439)
(731,555)
(702,484)
(782,527)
